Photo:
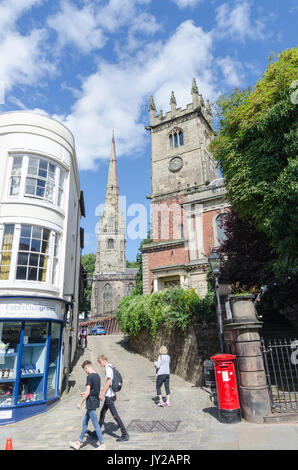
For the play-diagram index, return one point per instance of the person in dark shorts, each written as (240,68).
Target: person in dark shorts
(91,396)
(163,375)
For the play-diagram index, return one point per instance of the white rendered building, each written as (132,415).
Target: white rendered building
(40,209)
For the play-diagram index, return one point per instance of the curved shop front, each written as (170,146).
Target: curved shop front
(30,356)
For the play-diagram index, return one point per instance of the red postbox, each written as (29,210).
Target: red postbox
(227,391)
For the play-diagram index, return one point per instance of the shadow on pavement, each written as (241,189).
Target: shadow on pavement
(213,411)
(124,343)
(109,429)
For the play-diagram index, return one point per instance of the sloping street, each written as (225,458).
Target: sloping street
(190,424)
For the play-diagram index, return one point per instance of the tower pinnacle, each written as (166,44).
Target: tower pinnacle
(195,93)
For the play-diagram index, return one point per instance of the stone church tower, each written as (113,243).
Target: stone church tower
(187,196)
(111,279)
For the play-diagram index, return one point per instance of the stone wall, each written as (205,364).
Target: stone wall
(187,349)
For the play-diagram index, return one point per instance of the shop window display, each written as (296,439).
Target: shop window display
(33,362)
(53,360)
(9,341)
(29,362)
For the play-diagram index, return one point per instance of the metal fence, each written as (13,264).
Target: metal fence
(281,364)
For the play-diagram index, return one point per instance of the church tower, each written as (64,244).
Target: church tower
(111,279)
(187,196)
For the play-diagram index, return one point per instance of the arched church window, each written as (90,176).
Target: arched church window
(107,298)
(176,138)
(221,236)
(110,243)
(180,138)
(130,288)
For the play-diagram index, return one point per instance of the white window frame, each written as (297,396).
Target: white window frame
(15,251)
(59,169)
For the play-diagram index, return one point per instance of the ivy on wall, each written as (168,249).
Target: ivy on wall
(171,307)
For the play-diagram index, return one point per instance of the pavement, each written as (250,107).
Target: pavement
(191,422)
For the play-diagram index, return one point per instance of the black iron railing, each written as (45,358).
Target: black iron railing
(281,364)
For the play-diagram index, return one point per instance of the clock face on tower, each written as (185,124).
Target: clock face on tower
(176,163)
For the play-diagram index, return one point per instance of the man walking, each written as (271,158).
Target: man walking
(109,397)
(91,396)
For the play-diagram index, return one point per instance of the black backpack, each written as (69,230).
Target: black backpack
(117,380)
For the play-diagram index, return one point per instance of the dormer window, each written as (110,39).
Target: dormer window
(176,138)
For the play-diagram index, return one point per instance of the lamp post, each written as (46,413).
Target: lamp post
(214,261)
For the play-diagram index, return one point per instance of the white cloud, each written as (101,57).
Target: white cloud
(21,57)
(235,21)
(77,27)
(88,28)
(232,71)
(186,3)
(117,94)
(12,10)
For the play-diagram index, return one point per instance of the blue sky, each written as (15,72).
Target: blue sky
(93,64)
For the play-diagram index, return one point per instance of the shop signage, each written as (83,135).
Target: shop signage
(6,414)
(31,309)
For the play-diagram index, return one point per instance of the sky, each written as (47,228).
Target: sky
(93,64)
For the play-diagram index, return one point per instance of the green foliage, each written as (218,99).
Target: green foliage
(88,261)
(131,264)
(171,307)
(138,290)
(257,149)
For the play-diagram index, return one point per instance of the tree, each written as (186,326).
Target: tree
(138,290)
(246,253)
(88,261)
(257,148)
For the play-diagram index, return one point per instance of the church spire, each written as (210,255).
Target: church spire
(110,255)
(113,176)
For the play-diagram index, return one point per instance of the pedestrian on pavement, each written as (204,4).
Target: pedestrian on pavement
(91,396)
(109,397)
(84,337)
(163,375)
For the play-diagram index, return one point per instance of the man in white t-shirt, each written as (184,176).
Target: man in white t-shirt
(109,397)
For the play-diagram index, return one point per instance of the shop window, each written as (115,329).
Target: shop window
(33,252)
(53,369)
(6,251)
(33,363)
(10,333)
(42,179)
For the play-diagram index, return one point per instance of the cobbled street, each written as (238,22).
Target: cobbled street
(190,424)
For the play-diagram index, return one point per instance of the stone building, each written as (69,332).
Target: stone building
(188,197)
(111,279)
